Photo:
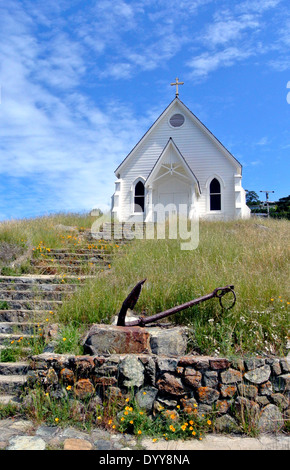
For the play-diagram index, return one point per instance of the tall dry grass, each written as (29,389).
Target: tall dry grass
(30,232)
(253,255)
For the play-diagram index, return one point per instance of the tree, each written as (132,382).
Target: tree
(252,198)
(282,209)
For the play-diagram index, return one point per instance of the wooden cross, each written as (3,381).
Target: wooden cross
(176,83)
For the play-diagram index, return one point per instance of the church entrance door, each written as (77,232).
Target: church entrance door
(171,204)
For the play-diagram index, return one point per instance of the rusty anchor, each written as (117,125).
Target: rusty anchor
(132,299)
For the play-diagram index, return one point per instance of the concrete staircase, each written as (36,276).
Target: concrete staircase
(28,302)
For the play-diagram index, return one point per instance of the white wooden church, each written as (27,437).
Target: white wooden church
(181,166)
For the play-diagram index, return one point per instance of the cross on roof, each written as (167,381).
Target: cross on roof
(176,83)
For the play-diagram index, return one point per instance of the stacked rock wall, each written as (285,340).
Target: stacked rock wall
(230,388)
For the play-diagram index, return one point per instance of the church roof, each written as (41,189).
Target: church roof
(197,121)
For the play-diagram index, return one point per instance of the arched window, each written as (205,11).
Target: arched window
(139,197)
(215,195)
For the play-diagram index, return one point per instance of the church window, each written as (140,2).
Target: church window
(215,195)
(139,197)
(176,120)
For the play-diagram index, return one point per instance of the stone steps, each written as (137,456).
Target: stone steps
(39,279)
(27,301)
(12,384)
(30,295)
(30,304)
(7,338)
(9,400)
(26,328)
(100,254)
(79,251)
(26,351)
(63,262)
(13,368)
(119,232)
(68,269)
(21,315)
(37,289)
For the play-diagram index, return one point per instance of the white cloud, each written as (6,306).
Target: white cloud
(60,144)
(227,28)
(258,5)
(208,62)
(263,141)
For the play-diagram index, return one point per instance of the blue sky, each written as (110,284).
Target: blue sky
(81,82)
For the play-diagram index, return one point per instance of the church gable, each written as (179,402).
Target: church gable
(193,139)
(172,163)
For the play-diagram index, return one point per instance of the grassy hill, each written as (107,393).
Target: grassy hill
(253,255)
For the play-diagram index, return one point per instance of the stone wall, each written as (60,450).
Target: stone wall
(257,387)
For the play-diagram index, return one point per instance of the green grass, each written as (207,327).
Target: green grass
(18,349)
(19,239)
(251,255)
(44,230)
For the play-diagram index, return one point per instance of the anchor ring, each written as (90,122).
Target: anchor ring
(223,292)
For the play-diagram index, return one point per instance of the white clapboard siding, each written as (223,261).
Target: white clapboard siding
(203,153)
